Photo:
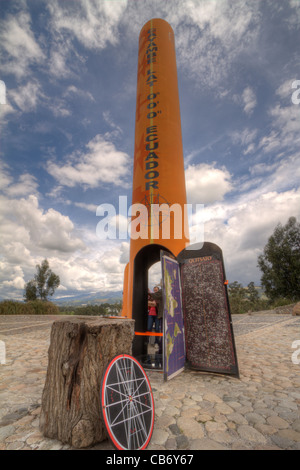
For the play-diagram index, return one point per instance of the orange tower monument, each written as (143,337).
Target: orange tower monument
(159,228)
(158,174)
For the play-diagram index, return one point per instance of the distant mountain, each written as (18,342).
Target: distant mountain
(88,298)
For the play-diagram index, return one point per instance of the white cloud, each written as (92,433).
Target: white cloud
(5,177)
(98,268)
(285,129)
(281,175)
(285,90)
(88,207)
(242,228)
(154,275)
(30,234)
(213,36)
(93,23)
(262,169)
(5,110)
(59,108)
(73,90)
(15,252)
(270,142)
(15,277)
(57,232)
(286,175)
(284,123)
(79,274)
(18,283)
(110,261)
(206,184)
(59,63)
(101,268)
(286,120)
(195,153)
(27,96)
(26,185)
(37,229)
(101,163)
(125,249)
(116,130)
(64,61)
(249,100)
(19,44)
(294,20)
(245,137)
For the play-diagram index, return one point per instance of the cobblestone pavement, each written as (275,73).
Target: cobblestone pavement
(194,411)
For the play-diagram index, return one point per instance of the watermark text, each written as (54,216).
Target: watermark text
(149,221)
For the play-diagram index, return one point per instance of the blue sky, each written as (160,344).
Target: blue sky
(67,129)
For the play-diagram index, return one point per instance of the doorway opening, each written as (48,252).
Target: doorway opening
(145,260)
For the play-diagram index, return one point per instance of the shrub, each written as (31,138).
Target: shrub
(281,302)
(34,307)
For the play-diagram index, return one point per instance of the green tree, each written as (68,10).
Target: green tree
(237,297)
(30,291)
(280,262)
(253,295)
(45,283)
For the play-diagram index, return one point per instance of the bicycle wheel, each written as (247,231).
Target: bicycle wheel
(127,404)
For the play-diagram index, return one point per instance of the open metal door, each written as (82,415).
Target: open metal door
(173,326)
(209,335)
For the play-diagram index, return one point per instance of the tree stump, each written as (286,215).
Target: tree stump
(80,350)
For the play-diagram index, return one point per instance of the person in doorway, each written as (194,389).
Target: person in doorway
(151,320)
(158,298)
(152,314)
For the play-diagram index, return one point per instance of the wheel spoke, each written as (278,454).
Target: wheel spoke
(127,404)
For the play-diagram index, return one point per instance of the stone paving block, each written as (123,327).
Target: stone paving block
(191,410)
(212,398)
(277,422)
(206,444)
(6,431)
(223,408)
(290,434)
(222,437)
(213,426)
(182,442)
(296,425)
(175,429)
(237,418)
(159,436)
(190,427)
(250,434)
(254,418)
